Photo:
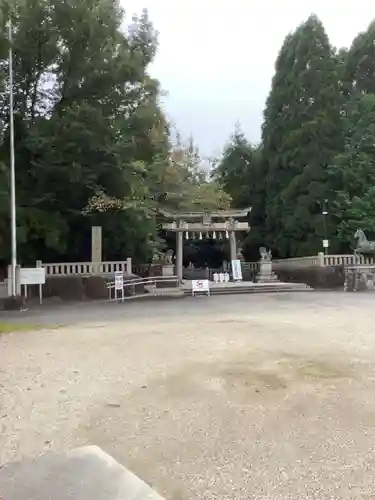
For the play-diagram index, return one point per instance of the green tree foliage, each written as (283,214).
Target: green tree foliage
(84,111)
(353,171)
(92,143)
(301,134)
(352,179)
(241,173)
(359,67)
(233,169)
(190,185)
(189,188)
(318,141)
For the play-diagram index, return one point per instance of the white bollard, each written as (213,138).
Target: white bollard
(216,277)
(226,277)
(221,277)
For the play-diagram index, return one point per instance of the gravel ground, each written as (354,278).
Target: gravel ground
(238,397)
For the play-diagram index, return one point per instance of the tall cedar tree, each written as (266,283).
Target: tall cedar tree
(353,172)
(233,169)
(353,169)
(359,70)
(301,134)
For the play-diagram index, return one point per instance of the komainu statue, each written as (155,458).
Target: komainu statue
(264,254)
(169,257)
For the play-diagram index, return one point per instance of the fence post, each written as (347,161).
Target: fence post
(321,259)
(129,265)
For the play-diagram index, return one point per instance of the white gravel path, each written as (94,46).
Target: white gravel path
(240,397)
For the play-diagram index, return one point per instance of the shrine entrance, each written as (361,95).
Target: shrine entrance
(220,224)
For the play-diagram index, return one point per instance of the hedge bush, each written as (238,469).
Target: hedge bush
(82,287)
(317,277)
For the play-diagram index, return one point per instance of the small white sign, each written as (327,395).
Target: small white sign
(202,286)
(236,270)
(325,243)
(119,280)
(32,276)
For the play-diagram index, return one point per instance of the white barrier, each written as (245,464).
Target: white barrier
(150,282)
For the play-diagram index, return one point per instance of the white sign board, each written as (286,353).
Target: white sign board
(200,286)
(325,243)
(236,270)
(119,280)
(32,276)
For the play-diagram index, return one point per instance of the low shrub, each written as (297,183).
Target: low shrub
(315,276)
(95,287)
(65,287)
(79,288)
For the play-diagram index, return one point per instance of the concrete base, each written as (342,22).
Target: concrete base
(82,474)
(158,293)
(267,279)
(168,270)
(221,289)
(250,287)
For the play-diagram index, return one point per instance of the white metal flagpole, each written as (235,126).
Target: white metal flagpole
(12,167)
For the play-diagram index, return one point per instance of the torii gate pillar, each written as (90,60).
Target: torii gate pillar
(232,245)
(179,254)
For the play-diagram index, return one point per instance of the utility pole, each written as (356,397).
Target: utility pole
(12,167)
(325,214)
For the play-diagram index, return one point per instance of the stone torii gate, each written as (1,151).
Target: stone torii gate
(221,223)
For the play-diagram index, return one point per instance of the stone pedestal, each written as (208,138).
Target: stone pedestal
(359,278)
(168,270)
(266,275)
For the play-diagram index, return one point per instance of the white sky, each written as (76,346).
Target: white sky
(216,59)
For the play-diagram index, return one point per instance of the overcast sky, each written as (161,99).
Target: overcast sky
(216,59)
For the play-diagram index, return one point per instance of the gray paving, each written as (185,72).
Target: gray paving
(53,312)
(83,474)
(247,397)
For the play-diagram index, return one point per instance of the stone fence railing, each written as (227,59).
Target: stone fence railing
(105,268)
(320,260)
(86,268)
(347,260)
(314,260)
